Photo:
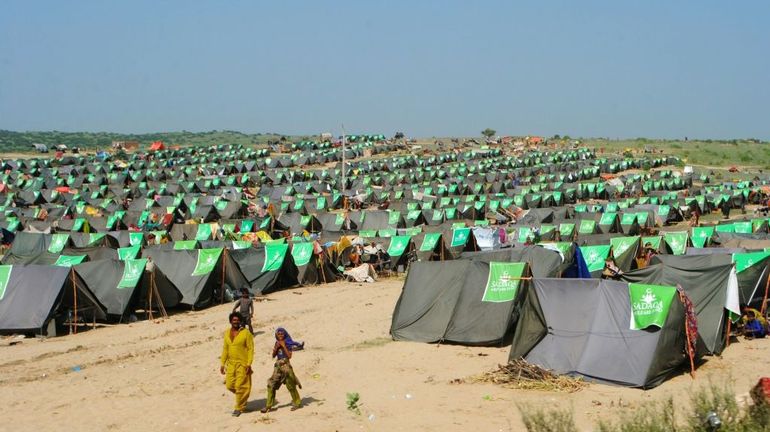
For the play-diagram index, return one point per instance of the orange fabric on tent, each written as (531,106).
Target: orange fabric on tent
(157,145)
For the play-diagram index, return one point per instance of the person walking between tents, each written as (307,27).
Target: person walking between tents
(245,307)
(283,373)
(237,355)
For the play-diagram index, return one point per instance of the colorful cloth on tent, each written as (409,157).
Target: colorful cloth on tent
(691,323)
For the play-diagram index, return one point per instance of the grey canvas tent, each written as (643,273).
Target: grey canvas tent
(198,290)
(444,302)
(36,298)
(103,278)
(251,263)
(706,279)
(581,327)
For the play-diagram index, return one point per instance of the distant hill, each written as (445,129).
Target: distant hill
(11,141)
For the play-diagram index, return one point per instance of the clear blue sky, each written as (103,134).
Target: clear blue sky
(583,68)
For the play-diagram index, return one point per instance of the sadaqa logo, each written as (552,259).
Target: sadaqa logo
(649,304)
(593,256)
(302,254)
(503,282)
(133,271)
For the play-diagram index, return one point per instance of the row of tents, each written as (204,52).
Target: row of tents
(579,326)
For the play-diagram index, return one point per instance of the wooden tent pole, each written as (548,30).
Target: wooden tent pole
(150,293)
(764,299)
(321,266)
(158,298)
(75,297)
(222,285)
(729,328)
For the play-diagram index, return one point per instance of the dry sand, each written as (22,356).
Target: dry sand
(164,375)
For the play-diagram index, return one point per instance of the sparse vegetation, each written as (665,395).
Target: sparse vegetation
(352,403)
(709,153)
(11,141)
(715,401)
(553,420)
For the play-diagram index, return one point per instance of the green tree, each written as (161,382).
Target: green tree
(489,133)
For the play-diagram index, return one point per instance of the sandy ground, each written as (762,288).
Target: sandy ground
(164,375)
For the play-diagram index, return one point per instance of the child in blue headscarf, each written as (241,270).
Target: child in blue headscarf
(283,373)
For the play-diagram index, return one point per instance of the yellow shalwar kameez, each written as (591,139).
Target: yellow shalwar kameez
(237,355)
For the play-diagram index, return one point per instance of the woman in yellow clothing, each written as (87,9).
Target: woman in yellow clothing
(237,355)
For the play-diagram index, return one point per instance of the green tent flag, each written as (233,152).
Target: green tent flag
(743,227)
(132,272)
(221,205)
(58,241)
(367,233)
(502,282)
(595,256)
(628,219)
(135,238)
(304,221)
(339,219)
(654,241)
(387,232)
(207,260)
(185,244)
(524,233)
(274,255)
(13,225)
(566,229)
(413,231)
(247,225)
(393,217)
(745,260)
(302,252)
(607,219)
(460,236)
(398,245)
(726,227)
(701,236)
(562,247)
(587,226)
(69,260)
(241,244)
(5,276)
(95,237)
(677,241)
(78,224)
(429,241)
(204,232)
(130,252)
(621,244)
(649,304)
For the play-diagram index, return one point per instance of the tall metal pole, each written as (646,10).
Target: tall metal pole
(342,188)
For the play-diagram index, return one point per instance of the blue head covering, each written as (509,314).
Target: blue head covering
(290,343)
